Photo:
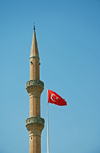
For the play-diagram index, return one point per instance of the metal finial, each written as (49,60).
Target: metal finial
(34,27)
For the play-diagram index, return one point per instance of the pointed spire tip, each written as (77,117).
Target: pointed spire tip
(34,27)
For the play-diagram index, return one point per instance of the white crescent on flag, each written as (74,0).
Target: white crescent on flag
(52,98)
(55,96)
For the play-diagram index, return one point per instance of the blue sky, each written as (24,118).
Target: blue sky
(68,36)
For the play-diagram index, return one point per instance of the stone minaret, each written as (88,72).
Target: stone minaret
(34,87)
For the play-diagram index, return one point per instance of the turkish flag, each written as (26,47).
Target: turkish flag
(54,98)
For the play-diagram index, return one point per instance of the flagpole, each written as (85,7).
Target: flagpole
(47,125)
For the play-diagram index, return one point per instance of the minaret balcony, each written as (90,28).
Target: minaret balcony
(33,120)
(34,86)
(35,125)
(33,83)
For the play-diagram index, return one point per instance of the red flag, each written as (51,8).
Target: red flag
(54,98)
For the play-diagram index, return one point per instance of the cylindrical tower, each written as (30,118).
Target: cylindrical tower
(34,87)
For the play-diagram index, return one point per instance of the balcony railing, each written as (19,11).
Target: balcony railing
(34,82)
(33,120)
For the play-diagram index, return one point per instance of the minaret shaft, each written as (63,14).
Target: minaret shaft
(34,106)
(34,68)
(34,87)
(35,145)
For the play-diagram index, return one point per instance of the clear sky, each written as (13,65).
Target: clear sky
(68,36)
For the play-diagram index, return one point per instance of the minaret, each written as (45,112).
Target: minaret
(34,87)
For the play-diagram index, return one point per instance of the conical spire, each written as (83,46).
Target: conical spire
(34,47)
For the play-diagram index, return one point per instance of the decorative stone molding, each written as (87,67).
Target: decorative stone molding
(35,125)
(33,120)
(34,86)
(34,132)
(34,82)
